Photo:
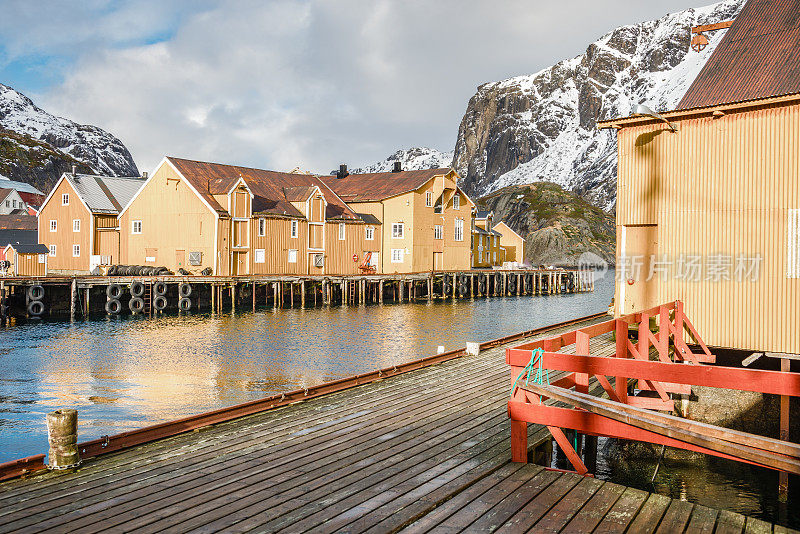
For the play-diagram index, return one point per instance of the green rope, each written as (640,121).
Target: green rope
(542,374)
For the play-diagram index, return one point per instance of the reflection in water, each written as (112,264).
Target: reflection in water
(123,373)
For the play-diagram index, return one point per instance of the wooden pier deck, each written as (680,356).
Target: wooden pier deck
(427,450)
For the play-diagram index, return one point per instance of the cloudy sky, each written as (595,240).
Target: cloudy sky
(280,84)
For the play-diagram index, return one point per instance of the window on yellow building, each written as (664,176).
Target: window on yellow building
(456,202)
(429,199)
(459,230)
(438,231)
(369,233)
(398,229)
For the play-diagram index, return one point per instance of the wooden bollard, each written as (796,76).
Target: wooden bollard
(62,433)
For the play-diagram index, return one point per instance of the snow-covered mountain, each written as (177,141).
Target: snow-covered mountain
(541,127)
(36,147)
(413,159)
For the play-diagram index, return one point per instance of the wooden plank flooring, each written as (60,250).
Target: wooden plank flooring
(426,451)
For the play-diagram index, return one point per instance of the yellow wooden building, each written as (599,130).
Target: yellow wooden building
(234,220)
(708,204)
(485,242)
(512,245)
(26,259)
(425,218)
(78,221)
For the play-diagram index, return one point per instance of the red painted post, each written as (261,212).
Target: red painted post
(582,347)
(519,441)
(622,352)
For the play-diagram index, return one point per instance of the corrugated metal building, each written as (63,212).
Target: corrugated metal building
(710,213)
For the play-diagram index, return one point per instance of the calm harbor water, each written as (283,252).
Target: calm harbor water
(124,373)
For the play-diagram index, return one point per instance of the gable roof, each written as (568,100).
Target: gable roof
(269,188)
(4,192)
(21,187)
(104,194)
(483,214)
(508,228)
(759,57)
(380,185)
(34,200)
(28,248)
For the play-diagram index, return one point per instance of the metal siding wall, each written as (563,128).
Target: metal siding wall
(722,186)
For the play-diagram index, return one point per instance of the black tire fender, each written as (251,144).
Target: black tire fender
(113,306)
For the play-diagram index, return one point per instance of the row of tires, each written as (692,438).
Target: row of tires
(114,293)
(138,270)
(137,289)
(35,294)
(136,304)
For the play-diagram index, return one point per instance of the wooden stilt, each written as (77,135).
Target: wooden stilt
(783,477)
(380,292)
(254,297)
(233,298)
(73,294)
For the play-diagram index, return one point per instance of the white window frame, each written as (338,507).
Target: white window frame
(14,202)
(292,256)
(397,255)
(458,232)
(76,251)
(429,199)
(259,256)
(52,251)
(456,201)
(293,229)
(262,227)
(42,258)
(438,231)
(65,199)
(480,255)
(53,225)
(398,230)
(369,233)
(133,227)
(342,232)
(76,225)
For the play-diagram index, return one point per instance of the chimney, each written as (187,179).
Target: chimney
(74,170)
(342,171)
(398,166)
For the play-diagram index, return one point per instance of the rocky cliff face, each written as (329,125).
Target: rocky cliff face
(558,225)
(542,126)
(412,159)
(36,147)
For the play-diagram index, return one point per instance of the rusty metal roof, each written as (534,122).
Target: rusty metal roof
(18,222)
(380,185)
(273,191)
(759,57)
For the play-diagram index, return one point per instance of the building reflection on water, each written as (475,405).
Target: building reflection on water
(123,373)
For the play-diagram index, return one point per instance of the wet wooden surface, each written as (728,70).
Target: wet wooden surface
(424,451)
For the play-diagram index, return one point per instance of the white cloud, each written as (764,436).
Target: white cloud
(315,83)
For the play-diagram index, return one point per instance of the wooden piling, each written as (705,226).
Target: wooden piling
(380,291)
(62,434)
(73,291)
(302,293)
(254,297)
(783,476)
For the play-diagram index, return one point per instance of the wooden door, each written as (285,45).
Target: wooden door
(239,263)
(438,261)
(639,249)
